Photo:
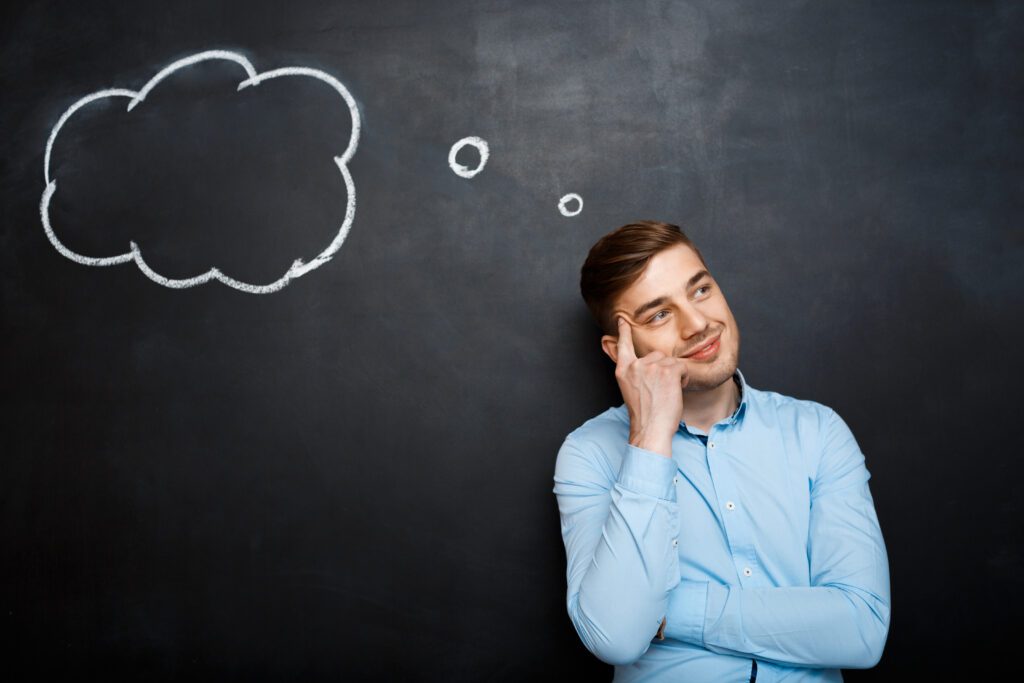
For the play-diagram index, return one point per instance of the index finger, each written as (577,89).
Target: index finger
(626,352)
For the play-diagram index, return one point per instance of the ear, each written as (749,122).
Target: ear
(610,346)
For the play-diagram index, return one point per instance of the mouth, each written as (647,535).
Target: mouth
(706,351)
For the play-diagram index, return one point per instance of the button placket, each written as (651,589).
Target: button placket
(737,529)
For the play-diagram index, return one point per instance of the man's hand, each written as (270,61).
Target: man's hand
(652,388)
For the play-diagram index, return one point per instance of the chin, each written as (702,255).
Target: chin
(713,376)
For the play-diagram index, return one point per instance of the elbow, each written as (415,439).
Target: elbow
(621,654)
(614,642)
(874,645)
(873,633)
(867,655)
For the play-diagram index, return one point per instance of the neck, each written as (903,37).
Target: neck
(702,409)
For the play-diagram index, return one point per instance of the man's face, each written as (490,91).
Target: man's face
(676,307)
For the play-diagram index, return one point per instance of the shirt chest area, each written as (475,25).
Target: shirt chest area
(743,507)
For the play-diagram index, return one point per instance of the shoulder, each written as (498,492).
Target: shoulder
(598,444)
(609,424)
(828,445)
(788,412)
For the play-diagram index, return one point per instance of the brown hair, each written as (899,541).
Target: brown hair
(618,260)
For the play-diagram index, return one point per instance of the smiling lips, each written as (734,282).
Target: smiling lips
(706,351)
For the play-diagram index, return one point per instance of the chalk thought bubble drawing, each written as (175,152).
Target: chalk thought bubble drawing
(465,171)
(298,268)
(563,205)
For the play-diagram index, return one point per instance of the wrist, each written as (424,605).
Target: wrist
(659,445)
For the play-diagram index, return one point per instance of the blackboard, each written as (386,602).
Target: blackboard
(350,475)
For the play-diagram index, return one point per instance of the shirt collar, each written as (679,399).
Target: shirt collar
(741,409)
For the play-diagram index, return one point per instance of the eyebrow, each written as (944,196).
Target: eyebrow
(654,303)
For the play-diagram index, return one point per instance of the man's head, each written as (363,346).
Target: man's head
(652,275)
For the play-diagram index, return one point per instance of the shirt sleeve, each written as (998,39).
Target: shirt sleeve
(842,619)
(620,532)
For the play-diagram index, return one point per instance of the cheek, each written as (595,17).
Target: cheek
(663,339)
(733,336)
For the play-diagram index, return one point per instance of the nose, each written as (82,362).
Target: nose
(691,322)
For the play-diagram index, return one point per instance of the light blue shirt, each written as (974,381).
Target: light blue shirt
(758,543)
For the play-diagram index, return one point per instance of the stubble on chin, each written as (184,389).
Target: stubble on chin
(711,377)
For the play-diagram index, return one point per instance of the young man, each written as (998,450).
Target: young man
(713,531)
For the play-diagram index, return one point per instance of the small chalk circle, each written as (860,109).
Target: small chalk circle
(564,201)
(465,171)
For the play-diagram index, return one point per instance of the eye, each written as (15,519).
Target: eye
(708,287)
(655,318)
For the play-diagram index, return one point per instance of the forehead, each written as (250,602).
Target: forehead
(665,275)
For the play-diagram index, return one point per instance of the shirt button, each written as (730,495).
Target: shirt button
(711,444)
(675,480)
(746,571)
(730,505)
(675,543)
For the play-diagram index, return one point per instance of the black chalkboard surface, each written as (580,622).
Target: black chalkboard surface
(343,468)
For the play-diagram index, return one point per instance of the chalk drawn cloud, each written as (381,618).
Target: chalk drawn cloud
(135,98)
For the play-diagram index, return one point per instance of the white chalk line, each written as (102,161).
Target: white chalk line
(256,79)
(113,92)
(134,253)
(189,61)
(562,208)
(465,171)
(44,211)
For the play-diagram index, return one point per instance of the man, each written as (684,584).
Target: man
(713,531)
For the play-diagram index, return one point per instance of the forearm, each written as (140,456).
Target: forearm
(839,620)
(620,582)
(817,626)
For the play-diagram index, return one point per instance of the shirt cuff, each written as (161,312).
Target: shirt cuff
(685,614)
(648,473)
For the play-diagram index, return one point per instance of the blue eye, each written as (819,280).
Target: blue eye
(655,317)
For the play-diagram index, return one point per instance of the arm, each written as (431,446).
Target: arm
(842,619)
(618,530)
